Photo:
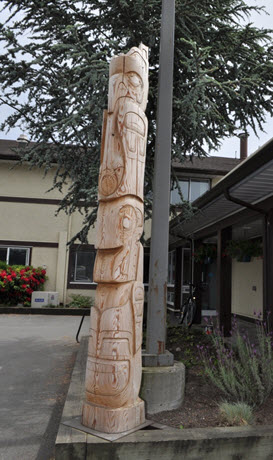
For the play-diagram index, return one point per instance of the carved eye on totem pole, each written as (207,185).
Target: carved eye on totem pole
(129,221)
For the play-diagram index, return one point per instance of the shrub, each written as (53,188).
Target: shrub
(81,301)
(18,282)
(236,414)
(3,265)
(243,371)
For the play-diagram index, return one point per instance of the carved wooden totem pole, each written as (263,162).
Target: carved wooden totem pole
(113,373)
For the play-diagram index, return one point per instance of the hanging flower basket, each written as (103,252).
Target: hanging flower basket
(244,250)
(205,254)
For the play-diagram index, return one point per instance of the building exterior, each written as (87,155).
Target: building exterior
(31,233)
(196,176)
(239,208)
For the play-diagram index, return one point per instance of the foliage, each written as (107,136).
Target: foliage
(236,414)
(238,249)
(205,251)
(54,75)
(17,284)
(243,371)
(81,301)
(182,343)
(3,265)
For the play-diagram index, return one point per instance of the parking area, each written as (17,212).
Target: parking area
(37,354)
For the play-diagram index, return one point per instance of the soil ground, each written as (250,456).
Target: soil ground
(200,408)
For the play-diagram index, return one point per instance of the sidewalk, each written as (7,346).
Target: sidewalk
(37,355)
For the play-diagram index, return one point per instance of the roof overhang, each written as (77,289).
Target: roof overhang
(250,182)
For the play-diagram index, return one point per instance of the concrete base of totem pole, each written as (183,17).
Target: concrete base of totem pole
(163,388)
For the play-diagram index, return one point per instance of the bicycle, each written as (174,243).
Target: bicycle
(188,309)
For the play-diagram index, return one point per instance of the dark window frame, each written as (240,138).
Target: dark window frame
(74,248)
(190,179)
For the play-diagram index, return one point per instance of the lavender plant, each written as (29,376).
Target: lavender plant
(242,370)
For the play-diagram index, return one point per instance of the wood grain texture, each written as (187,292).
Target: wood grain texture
(113,372)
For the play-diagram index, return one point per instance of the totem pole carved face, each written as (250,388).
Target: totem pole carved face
(125,127)
(125,219)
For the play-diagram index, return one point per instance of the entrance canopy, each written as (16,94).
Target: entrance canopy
(245,193)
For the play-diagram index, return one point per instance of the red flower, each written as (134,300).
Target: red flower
(26,280)
(24,286)
(43,272)
(42,280)
(29,290)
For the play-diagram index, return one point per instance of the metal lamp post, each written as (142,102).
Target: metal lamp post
(157,297)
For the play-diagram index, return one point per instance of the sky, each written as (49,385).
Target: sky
(230,147)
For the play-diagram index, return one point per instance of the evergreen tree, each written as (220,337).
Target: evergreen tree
(54,74)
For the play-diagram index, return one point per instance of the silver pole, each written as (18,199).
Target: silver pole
(157,296)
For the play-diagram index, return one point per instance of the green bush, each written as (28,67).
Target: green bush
(81,301)
(244,370)
(236,414)
(3,265)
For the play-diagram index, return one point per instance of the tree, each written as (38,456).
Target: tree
(54,74)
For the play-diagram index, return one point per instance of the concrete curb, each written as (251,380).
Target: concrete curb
(45,311)
(242,443)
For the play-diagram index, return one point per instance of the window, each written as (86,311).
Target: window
(191,190)
(81,266)
(15,255)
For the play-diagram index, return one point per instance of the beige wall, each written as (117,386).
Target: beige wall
(48,258)
(215,180)
(245,276)
(31,222)
(24,182)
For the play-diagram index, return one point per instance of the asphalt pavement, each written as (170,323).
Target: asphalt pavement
(37,355)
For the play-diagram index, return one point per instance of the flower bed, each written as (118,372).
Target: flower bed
(18,282)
